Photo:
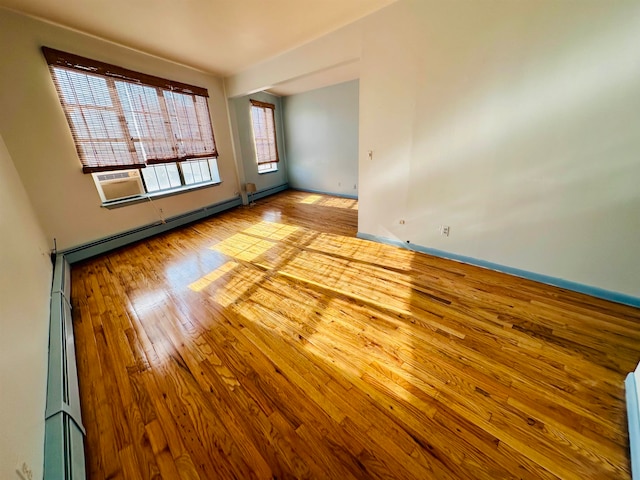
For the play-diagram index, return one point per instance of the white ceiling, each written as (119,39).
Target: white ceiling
(223,37)
(321,78)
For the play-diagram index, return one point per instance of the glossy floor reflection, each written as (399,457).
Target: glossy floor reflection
(269,342)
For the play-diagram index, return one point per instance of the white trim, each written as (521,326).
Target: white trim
(632,384)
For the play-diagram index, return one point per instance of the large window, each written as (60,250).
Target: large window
(122,120)
(264,135)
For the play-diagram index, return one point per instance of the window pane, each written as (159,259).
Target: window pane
(204,168)
(174,176)
(268,167)
(150,179)
(163,177)
(187,172)
(197,175)
(196,171)
(213,168)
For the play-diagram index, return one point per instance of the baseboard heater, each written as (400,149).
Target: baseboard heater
(103,245)
(632,387)
(64,432)
(265,192)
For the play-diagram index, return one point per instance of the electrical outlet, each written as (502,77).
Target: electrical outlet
(444,230)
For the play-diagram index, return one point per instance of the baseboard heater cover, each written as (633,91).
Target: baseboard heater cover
(265,192)
(64,449)
(64,432)
(98,247)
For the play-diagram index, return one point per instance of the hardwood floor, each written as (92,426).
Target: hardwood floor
(269,342)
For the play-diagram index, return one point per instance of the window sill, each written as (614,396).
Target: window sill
(268,171)
(155,195)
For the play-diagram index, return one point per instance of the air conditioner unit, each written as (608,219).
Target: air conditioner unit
(118,185)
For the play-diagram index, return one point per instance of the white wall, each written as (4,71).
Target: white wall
(240,109)
(321,135)
(515,123)
(37,135)
(25,285)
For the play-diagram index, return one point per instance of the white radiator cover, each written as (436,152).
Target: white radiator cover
(632,384)
(64,433)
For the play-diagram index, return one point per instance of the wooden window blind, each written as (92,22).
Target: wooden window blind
(121,119)
(264,131)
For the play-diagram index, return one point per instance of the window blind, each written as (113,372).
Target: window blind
(264,131)
(121,119)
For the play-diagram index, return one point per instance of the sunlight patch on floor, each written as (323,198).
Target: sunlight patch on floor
(212,276)
(362,281)
(296,307)
(356,351)
(338,202)
(311,199)
(238,285)
(363,250)
(271,230)
(243,247)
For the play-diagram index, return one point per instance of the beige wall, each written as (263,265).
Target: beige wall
(38,138)
(515,123)
(25,284)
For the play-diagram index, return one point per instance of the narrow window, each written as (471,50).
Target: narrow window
(264,136)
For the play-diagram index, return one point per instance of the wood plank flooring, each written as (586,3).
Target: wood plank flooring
(269,342)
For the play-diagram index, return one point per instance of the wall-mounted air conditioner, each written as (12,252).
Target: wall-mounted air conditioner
(118,185)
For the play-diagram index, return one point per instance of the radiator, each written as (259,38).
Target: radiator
(64,432)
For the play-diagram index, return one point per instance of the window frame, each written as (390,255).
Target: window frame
(184,186)
(267,168)
(266,109)
(160,193)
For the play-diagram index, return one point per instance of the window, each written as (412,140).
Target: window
(168,176)
(267,167)
(122,120)
(264,135)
